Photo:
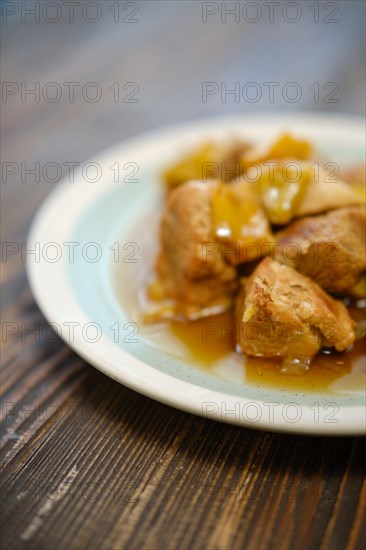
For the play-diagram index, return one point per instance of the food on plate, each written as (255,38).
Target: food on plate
(239,221)
(330,248)
(192,270)
(282,313)
(286,146)
(359,289)
(355,176)
(280,235)
(210,159)
(282,188)
(325,192)
(292,188)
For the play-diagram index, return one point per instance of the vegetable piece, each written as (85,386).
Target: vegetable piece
(288,146)
(282,188)
(284,147)
(239,220)
(212,160)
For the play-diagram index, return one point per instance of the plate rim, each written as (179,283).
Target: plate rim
(354,424)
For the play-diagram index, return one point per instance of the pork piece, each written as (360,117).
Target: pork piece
(191,267)
(281,313)
(330,248)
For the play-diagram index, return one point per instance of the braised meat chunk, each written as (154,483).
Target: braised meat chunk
(282,313)
(206,229)
(330,248)
(191,267)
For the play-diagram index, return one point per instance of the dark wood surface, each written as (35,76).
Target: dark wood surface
(87,463)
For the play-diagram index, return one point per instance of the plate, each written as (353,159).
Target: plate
(95,237)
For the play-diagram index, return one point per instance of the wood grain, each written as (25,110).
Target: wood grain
(86,462)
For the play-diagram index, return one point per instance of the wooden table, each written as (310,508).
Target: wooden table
(88,463)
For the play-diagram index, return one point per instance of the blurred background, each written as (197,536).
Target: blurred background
(79,76)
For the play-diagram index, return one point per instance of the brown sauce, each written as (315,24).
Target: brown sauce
(210,340)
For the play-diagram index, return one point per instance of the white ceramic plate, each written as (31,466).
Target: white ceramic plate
(86,290)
